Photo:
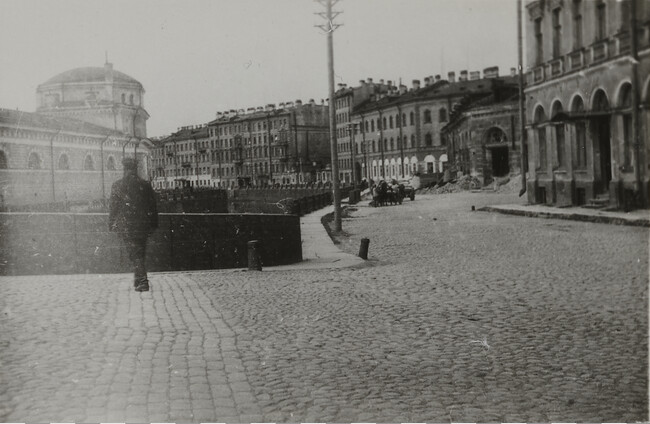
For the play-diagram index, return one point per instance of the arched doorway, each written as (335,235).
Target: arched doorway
(601,130)
(497,149)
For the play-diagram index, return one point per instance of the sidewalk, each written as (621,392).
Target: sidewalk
(638,218)
(318,249)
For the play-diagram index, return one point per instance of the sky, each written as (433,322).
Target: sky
(197,57)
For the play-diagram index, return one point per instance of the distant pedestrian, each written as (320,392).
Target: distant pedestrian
(134,216)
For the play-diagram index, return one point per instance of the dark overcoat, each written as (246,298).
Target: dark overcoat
(132,206)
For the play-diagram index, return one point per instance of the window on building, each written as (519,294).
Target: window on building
(88,163)
(412,118)
(34,161)
(626,105)
(372,125)
(383,123)
(428,139)
(390,122)
(577,24)
(3,160)
(392,143)
(601,20)
(123,98)
(442,115)
(539,42)
(403,120)
(557,32)
(64,162)
(131,99)
(427,116)
(412,140)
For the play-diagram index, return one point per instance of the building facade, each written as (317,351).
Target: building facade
(483,136)
(587,101)
(71,149)
(399,131)
(182,159)
(270,145)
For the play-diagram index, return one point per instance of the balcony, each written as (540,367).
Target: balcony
(601,51)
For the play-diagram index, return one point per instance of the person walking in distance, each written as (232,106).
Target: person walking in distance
(134,216)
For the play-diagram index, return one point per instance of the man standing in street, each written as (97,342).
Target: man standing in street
(134,216)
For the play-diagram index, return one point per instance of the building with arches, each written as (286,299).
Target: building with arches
(71,149)
(588,102)
(399,131)
(483,136)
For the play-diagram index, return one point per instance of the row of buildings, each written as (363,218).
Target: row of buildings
(586,125)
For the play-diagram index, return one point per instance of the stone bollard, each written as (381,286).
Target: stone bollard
(254,260)
(363,249)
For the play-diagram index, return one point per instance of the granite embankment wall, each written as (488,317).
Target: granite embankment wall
(64,243)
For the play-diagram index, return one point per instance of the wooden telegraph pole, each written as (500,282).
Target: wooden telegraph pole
(329,27)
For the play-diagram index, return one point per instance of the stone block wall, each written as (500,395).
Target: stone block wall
(62,243)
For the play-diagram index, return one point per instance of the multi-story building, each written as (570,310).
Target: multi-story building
(71,149)
(347,99)
(270,145)
(399,131)
(483,136)
(182,159)
(587,97)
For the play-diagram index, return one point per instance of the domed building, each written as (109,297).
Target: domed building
(70,150)
(100,96)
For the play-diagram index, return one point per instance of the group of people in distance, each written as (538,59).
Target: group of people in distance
(384,193)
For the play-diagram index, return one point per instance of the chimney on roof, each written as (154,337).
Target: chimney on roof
(219,114)
(381,81)
(289,104)
(491,72)
(513,72)
(451,76)
(339,85)
(322,102)
(298,102)
(438,78)
(270,107)
(390,83)
(369,80)
(427,81)
(463,76)
(416,84)
(474,75)
(311,102)
(259,108)
(402,89)
(250,110)
(362,83)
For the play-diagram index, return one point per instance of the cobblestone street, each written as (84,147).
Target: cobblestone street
(457,316)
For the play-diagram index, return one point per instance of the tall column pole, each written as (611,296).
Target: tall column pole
(329,28)
(636,140)
(522,115)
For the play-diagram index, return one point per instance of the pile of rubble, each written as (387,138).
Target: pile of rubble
(505,184)
(464,183)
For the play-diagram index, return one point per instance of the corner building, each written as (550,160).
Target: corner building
(587,102)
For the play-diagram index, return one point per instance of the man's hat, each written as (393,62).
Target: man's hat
(130,163)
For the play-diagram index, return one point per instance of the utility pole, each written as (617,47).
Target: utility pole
(522,115)
(329,27)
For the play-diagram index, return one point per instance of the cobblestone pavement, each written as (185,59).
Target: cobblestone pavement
(458,316)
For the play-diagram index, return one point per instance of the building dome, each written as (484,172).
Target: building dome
(98,95)
(89,74)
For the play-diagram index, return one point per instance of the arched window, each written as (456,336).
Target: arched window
(390,121)
(397,121)
(110,163)
(442,115)
(123,98)
(392,143)
(372,125)
(412,118)
(366,126)
(3,160)
(64,162)
(413,140)
(495,135)
(427,116)
(34,161)
(403,119)
(131,99)
(559,128)
(88,163)
(428,139)
(383,124)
